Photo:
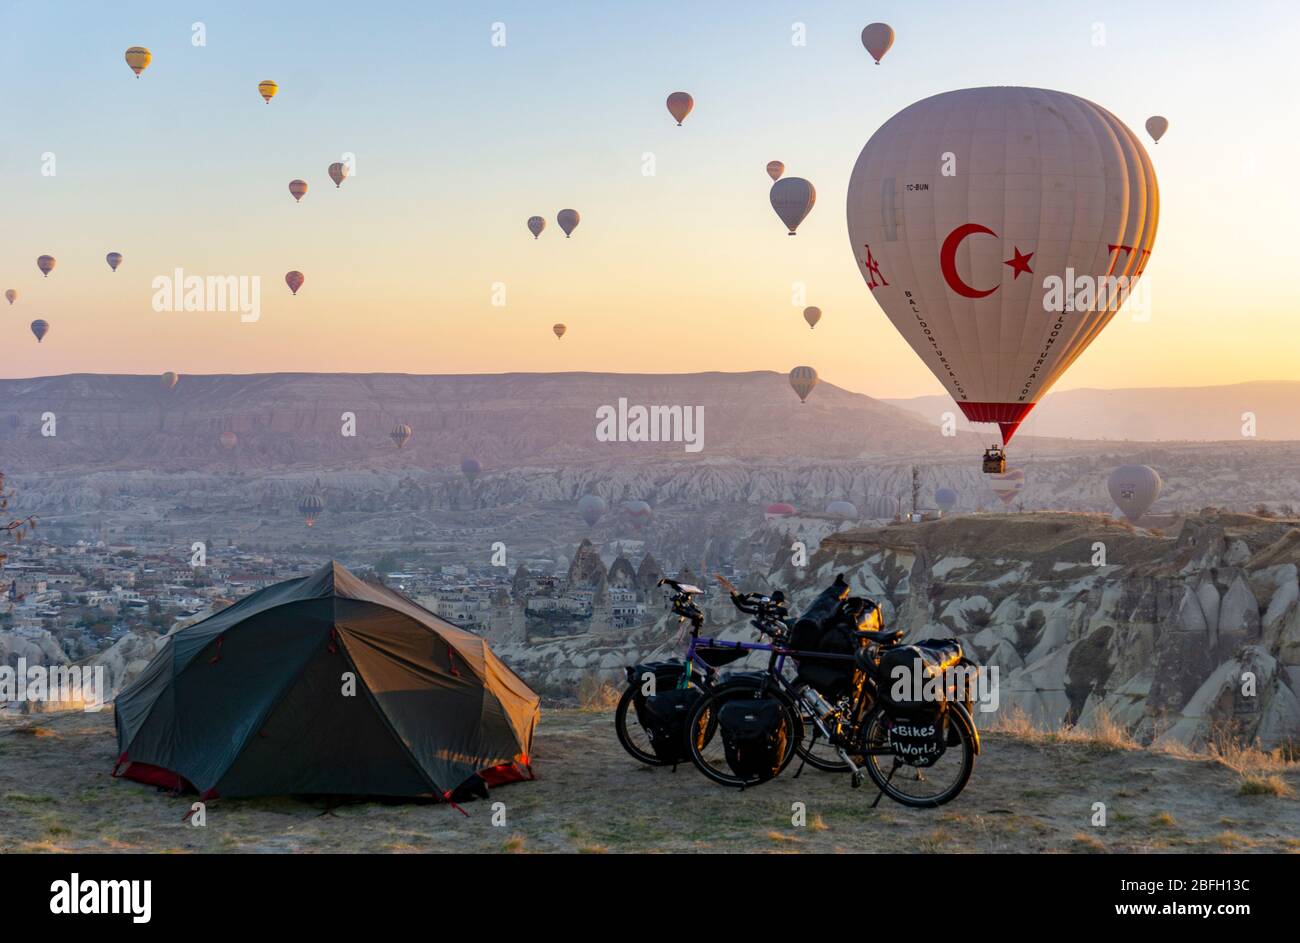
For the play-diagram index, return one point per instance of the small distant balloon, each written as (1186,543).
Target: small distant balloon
(228,440)
(1156,127)
(844,510)
(679,106)
(945,498)
(878,37)
(169,380)
(802,381)
(535,225)
(338,173)
(470,468)
(40,329)
(401,434)
(294,280)
(777,510)
(592,508)
(638,513)
(1134,488)
(310,506)
(267,89)
(568,220)
(793,199)
(1008,484)
(114,259)
(559,330)
(10,295)
(46,264)
(298,189)
(138,58)
(774,169)
(812,315)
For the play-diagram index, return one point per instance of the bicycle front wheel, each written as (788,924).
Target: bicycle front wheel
(705,739)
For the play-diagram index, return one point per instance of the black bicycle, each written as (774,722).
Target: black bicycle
(919,750)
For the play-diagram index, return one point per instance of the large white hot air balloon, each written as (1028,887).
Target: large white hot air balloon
(1134,488)
(793,199)
(1001,264)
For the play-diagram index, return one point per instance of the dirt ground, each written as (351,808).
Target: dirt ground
(1026,795)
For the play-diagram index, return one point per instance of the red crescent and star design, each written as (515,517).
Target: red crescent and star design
(948,260)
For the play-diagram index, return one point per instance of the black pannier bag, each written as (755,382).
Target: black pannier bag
(663,717)
(754,737)
(828,626)
(913,688)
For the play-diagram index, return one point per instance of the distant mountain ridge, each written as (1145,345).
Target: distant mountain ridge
(288,420)
(1151,414)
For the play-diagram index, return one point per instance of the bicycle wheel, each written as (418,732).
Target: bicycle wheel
(707,752)
(630,732)
(917,786)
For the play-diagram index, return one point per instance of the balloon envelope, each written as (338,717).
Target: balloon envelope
(310,506)
(1156,127)
(114,259)
(638,512)
(877,38)
(10,295)
(267,89)
(679,106)
(559,330)
(793,199)
(535,225)
(469,467)
(298,188)
(169,380)
(774,169)
(1008,484)
(401,434)
(779,509)
(138,58)
(40,328)
(1134,488)
(592,508)
(844,510)
(568,220)
(802,381)
(338,173)
(46,264)
(971,268)
(228,440)
(945,498)
(294,280)
(812,315)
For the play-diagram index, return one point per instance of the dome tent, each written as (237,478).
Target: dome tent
(255,700)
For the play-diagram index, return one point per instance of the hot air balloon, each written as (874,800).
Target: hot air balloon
(470,468)
(46,264)
(877,38)
(338,173)
(812,316)
(679,106)
(844,510)
(310,505)
(228,440)
(298,189)
(802,381)
(40,329)
(10,295)
(169,380)
(592,508)
(114,259)
(138,58)
(779,509)
(267,89)
(970,268)
(774,169)
(401,434)
(793,199)
(946,499)
(638,513)
(294,280)
(568,220)
(1134,488)
(1156,127)
(1008,485)
(559,330)
(535,225)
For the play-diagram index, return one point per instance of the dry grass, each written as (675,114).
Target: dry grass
(595,694)
(31,730)
(1271,785)
(1088,843)
(1102,731)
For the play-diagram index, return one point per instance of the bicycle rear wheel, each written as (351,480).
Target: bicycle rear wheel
(706,747)
(921,787)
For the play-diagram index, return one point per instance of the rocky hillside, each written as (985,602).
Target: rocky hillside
(1162,633)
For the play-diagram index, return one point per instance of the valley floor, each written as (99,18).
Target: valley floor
(1026,795)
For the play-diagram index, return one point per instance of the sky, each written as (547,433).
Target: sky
(458,141)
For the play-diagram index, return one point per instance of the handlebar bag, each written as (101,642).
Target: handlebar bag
(717,657)
(755,735)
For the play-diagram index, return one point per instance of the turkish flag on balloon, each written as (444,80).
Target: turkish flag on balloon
(1000,229)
